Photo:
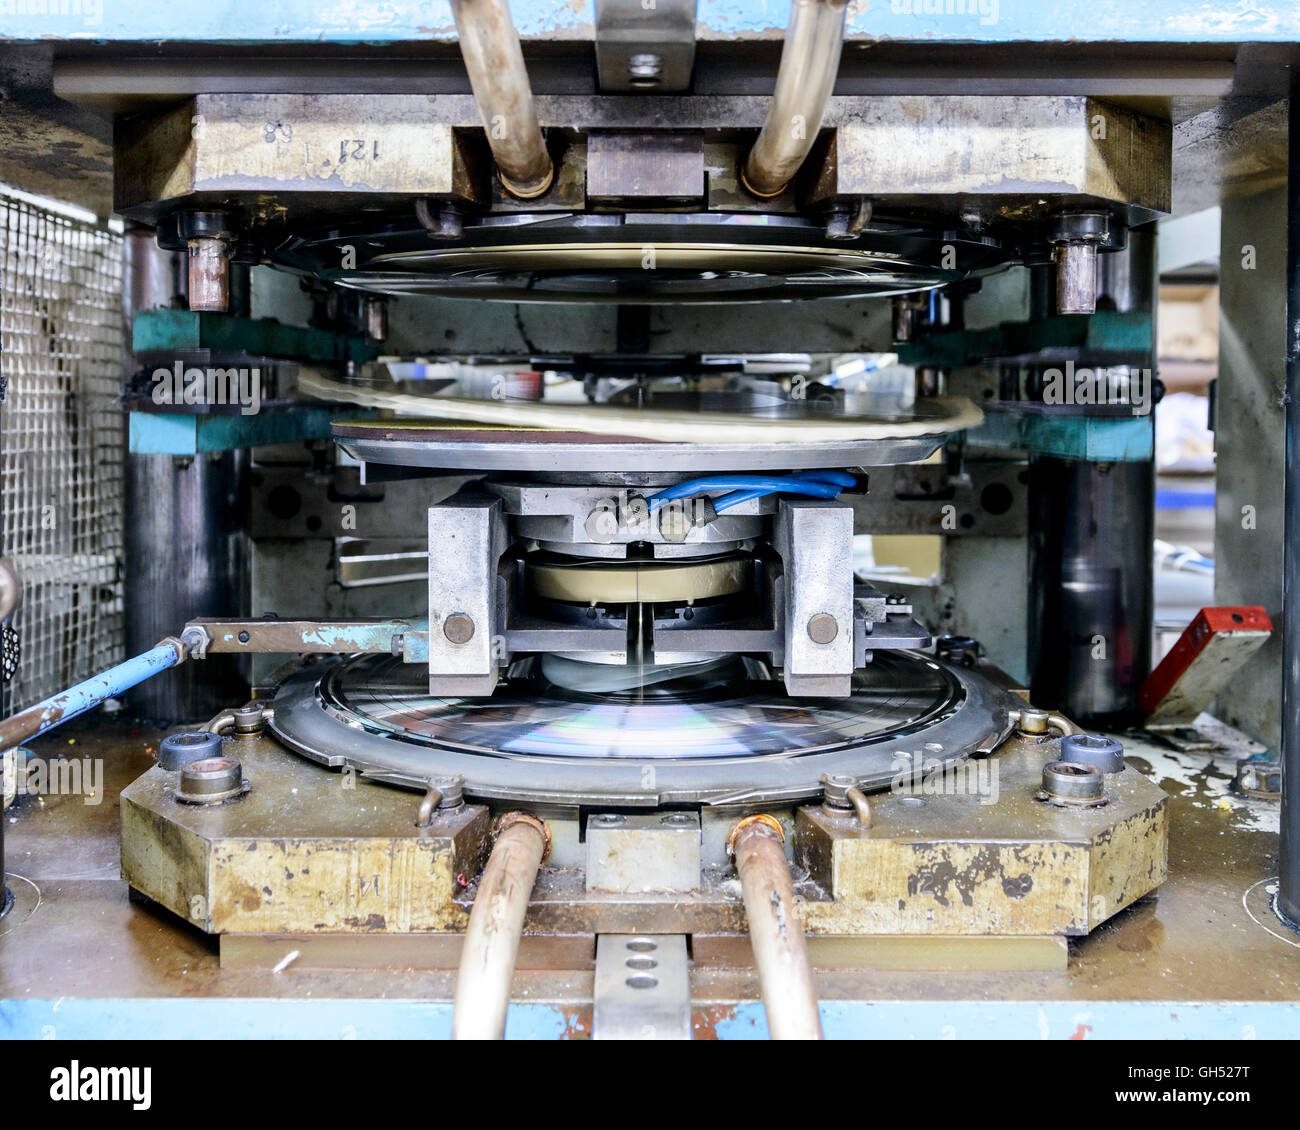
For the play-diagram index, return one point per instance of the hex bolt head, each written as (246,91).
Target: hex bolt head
(822,628)
(1096,750)
(602,525)
(178,750)
(458,628)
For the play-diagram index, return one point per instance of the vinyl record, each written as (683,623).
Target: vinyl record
(715,710)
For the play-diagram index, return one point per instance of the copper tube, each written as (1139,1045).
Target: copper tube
(810,60)
(487,961)
(757,846)
(489,45)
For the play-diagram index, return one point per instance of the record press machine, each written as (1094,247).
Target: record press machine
(510,408)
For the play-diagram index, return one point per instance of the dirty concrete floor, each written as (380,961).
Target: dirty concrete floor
(1207,936)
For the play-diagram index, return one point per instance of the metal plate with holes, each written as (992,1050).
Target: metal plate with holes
(722,741)
(642,989)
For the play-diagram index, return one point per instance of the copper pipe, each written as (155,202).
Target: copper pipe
(757,845)
(810,60)
(487,961)
(489,45)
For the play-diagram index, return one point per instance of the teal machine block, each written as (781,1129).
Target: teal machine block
(174,433)
(185,331)
(1097,439)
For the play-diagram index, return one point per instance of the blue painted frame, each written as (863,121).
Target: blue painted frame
(399,21)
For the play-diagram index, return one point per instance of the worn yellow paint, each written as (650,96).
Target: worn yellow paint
(335,885)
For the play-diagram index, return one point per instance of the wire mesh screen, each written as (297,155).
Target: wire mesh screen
(61,445)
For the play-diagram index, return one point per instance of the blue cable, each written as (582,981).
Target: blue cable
(742,488)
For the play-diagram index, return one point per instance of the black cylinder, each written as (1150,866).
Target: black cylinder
(1090,587)
(185,557)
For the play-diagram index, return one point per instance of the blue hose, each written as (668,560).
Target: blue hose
(743,488)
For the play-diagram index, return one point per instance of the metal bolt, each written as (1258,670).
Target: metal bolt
(602,524)
(607,820)
(458,628)
(677,820)
(822,628)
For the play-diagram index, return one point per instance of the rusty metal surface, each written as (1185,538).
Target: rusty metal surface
(1202,939)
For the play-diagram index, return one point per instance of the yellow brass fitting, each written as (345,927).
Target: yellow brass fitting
(519,816)
(770,822)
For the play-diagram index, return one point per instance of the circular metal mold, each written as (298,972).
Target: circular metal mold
(720,738)
(421,444)
(647,258)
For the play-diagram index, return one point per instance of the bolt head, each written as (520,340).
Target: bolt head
(601,525)
(458,628)
(823,628)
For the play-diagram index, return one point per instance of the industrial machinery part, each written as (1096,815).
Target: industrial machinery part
(810,59)
(177,750)
(490,48)
(1067,783)
(59,708)
(757,844)
(487,964)
(1098,750)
